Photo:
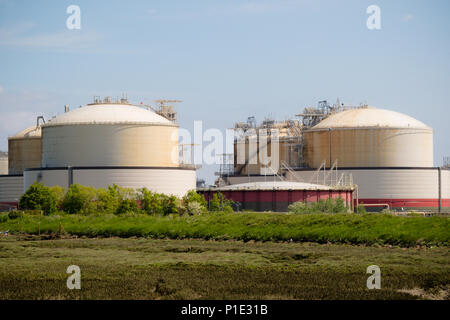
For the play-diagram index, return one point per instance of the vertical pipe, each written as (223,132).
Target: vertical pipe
(70,175)
(440,189)
(258,200)
(351,199)
(273,200)
(329,138)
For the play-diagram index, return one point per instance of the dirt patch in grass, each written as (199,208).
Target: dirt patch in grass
(433,294)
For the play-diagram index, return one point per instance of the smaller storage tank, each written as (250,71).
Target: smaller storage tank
(25,150)
(3,162)
(277,195)
(265,148)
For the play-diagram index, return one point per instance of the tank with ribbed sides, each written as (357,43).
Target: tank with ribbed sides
(3,163)
(24,150)
(369,137)
(110,135)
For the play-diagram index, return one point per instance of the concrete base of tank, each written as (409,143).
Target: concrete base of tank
(11,189)
(168,180)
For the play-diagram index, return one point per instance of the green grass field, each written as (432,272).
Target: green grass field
(141,268)
(321,228)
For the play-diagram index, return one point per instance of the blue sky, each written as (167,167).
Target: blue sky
(226,60)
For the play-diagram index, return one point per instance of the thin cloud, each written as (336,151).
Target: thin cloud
(408,17)
(19,109)
(19,36)
(12,122)
(15,30)
(58,40)
(258,7)
(252,7)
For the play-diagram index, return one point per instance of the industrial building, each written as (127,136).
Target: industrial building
(381,158)
(388,155)
(103,143)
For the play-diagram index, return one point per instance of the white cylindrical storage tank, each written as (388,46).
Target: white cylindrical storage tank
(112,143)
(25,150)
(369,137)
(110,135)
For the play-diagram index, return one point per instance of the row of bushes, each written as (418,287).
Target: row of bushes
(329,205)
(117,200)
(323,206)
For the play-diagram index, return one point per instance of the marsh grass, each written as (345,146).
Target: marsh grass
(321,228)
(117,268)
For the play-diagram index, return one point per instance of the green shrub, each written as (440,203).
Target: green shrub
(171,204)
(339,206)
(151,202)
(158,203)
(15,214)
(39,197)
(193,196)
(193,203)
(322,206)
(228,209)
(4,217)
(79,199)
(127,206)
(220,203)
(59,193)
(110,200)
(299,207)
(361,209)
(195,208)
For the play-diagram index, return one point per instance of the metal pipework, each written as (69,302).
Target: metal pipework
(39,118)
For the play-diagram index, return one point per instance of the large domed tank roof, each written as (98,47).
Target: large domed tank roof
(370,117)
(109,114)
(28,133)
